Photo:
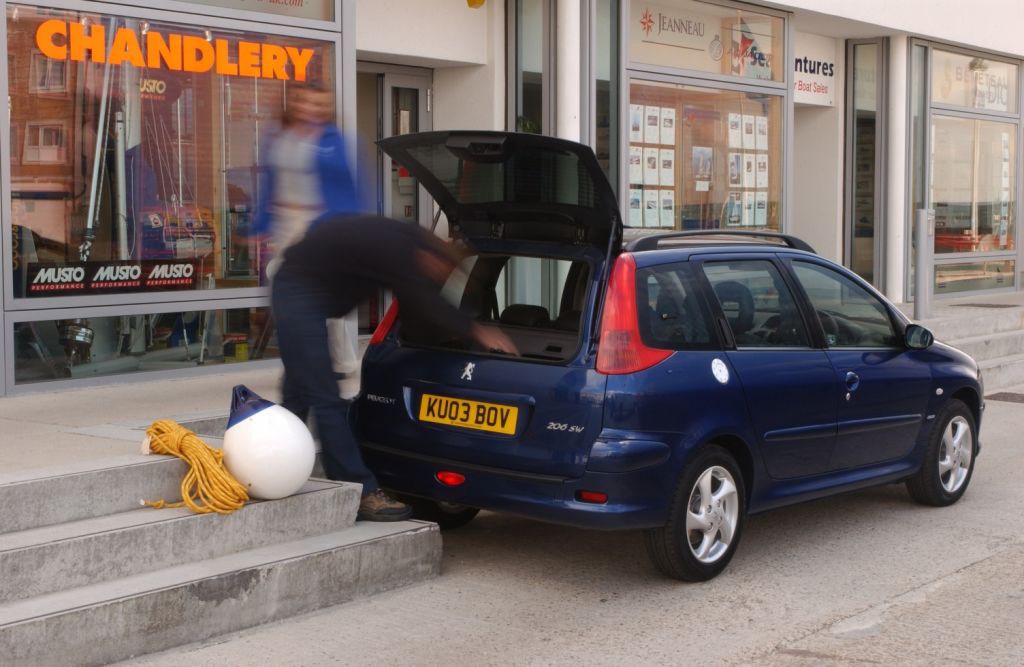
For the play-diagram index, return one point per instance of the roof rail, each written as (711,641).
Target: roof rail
(651,242)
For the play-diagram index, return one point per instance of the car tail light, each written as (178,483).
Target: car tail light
(386,322)
(449,478)
(621,350)
(594,497)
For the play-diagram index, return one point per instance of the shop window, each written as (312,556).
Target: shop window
(142,174)
(532,74)
(45,143)
(980,274)
(973,178)
(83,347)
(701,158)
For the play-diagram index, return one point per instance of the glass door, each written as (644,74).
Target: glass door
(390,101)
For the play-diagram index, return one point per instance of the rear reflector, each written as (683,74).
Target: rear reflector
(386,322)
(620,349)
(449,478)
(595,497)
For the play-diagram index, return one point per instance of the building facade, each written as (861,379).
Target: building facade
(128,168)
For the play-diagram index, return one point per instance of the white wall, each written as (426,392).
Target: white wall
(816,194)
(993,25)
(427,33)
(473,97)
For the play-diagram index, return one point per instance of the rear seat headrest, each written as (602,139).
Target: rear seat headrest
(525,315)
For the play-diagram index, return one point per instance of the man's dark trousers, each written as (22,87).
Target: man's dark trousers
(301,308)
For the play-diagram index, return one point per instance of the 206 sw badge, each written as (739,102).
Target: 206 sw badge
(674,382)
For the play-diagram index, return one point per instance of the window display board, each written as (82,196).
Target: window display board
(715,160)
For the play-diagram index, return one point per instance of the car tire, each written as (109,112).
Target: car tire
(447,516)
(949,458)
(698,545)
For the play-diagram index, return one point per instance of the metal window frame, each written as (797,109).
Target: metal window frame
(25,309)
(548,63)
(628,70)
(881,164)
(945,110)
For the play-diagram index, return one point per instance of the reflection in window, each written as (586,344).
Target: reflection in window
(95,346)
(977,275)
(973,176)
(849,315)
(136,170)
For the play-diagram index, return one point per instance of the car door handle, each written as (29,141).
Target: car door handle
(852,381)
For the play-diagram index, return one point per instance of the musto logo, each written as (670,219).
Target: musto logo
(170,274)
(58,278)
(117,276)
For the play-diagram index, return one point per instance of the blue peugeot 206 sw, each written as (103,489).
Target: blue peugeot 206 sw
(673,382)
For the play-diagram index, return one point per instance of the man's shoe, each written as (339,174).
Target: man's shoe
(379,506)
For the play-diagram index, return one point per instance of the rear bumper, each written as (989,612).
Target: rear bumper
(636,499)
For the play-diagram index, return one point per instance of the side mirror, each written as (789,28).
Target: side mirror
(917,337)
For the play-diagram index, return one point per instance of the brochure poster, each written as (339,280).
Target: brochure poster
(761,209)
(700,163)
(651,215)
(748,208)
(761,128)
(762,170)
(636,210)
(652,125)
(668,166)
(668,208)
(749,143)
(636,123)
(749,178)
(636,165)
(651,176)
(736,169)
(735,131)
(734,209)
(668,125)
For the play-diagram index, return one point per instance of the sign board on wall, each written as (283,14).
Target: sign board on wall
(321,10)
(814,70)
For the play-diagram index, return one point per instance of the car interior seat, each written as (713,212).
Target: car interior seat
(738,307)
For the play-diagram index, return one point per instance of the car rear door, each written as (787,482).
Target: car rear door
(883,389)
(789,386)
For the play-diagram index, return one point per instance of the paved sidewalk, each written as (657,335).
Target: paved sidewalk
(94,425)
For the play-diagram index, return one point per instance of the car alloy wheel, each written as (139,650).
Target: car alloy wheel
(956,454)
(712,514)
(949,459)
(705,520)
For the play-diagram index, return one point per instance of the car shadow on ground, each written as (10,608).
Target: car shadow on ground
(850,526)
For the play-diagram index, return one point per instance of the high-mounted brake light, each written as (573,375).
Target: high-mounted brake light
(386,322)
(621,350)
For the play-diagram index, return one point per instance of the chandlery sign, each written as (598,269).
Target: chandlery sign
(72,40)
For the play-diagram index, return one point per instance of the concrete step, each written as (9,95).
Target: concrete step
(970,322)
(90,490)
(992,346)
(1003,372)
(72,554)
(145,613)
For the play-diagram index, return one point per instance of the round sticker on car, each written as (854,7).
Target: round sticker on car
(720,370)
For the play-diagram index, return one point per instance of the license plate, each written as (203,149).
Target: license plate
(491,417)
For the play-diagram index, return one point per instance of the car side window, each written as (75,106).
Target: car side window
(757,303)
(850,316)
(669,314)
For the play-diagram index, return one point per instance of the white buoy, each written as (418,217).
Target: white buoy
(267,448)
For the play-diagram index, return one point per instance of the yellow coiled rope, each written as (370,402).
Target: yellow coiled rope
(208,486)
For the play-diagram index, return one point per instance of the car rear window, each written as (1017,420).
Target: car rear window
(669,309)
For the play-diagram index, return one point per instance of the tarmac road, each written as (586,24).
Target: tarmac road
(869,577)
